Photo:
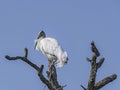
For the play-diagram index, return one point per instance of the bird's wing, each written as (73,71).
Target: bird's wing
(49,46)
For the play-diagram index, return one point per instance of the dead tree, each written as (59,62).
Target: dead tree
(53,83)
(95,65)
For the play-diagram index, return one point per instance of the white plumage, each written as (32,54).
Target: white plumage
(51,48)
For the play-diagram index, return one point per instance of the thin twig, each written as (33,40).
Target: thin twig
(83,87)
(26,52)
(94,49)
(99,64)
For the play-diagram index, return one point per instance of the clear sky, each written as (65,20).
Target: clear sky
(74,23)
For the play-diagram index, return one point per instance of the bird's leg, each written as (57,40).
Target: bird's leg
(50,65)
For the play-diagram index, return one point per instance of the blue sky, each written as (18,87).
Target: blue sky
(74,23)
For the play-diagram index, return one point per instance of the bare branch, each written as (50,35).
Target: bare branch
(40,70)
(51,84)
(105,81)
(23,59)
(26,52)
(83,87)
(53,78)
(88,59)
(100,63)
(43,79)
(93,72)
(92,85)
(94,49)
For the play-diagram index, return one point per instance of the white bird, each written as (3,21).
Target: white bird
(51,49)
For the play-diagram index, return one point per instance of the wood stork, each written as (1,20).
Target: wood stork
(51,49)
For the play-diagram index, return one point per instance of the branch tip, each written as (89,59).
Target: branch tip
(99,64)
(92,43)
(105,81)
(64,86)
(7,57)
(114,76)
(41,68)
(94,49)
(26,52)
(88,59)
(83,87)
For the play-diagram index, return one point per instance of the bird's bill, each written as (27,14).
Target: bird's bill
(35,44)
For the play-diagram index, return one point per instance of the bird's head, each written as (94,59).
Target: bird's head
(40,36)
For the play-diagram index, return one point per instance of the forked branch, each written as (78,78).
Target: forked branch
(51,84)
(95,65)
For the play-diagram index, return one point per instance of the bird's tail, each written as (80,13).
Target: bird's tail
(63,60)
